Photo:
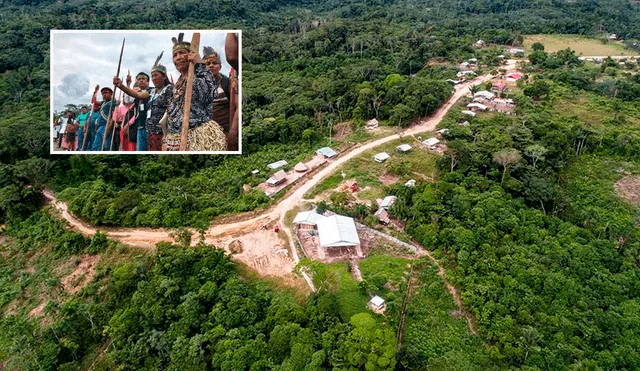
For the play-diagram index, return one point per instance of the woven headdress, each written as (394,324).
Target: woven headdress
(179,43)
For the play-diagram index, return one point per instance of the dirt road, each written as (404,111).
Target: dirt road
(267,258)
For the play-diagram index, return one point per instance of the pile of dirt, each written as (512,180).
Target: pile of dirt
(236,247)
(629,189)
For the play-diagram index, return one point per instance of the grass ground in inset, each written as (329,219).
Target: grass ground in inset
(582,45)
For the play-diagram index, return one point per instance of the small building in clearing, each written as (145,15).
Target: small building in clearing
(403,148)
(371,124)
(431,143)
(277,178)
(326,152)
(381,157)
(277,164)
(468,113)
(377,303)
(410,183)
(388,201)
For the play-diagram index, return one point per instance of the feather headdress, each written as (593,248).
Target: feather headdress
(179,43)
(158,67)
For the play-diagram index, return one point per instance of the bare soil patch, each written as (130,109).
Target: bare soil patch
(629,189)
(81,275)
(388,179)
(261,249)
(37,311)
(342,130)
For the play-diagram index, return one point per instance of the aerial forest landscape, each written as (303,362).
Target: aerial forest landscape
(423,185)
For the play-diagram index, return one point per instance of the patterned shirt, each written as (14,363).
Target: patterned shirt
(158,103)
(204,92)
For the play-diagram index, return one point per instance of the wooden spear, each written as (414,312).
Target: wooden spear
(195,45)
(87,124)
(104,138)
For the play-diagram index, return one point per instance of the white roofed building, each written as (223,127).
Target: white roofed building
(431,142)
(404,148)
(326,152)
(381,157)
(277,164)
(307,218)
(477,106)
(484,94)
(469,113)
(338,231)
(377,303)
(388,201)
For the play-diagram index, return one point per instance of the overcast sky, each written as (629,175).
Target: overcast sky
(82,60)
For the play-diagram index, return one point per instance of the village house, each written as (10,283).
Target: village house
(442,132)
(381,157)
(514,77)
(499,87)
(377,303)
(484,95)
(477,106)
(387,202)
(338,231)
(326,152)
(410,183)
(277,164)
(468,113)
(307,219)
(431,143)
(480,43)
(277,178)
(371,124)
(403,148)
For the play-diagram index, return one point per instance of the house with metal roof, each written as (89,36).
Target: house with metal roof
(277,178)
(431,142)
(403,148)
(326,152)
(277,164)
(388,201)
(307,218)
(381,157)
(338,231)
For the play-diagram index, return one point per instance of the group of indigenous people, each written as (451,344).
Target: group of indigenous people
(151,118)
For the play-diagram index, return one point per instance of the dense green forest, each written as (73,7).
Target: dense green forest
(523,214)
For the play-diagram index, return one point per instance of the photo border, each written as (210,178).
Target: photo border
(51,94)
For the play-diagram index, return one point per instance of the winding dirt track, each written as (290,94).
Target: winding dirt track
(148,238)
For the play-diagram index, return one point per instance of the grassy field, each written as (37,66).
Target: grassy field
(582,45)
(418,164)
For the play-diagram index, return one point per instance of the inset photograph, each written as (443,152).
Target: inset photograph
(149,92)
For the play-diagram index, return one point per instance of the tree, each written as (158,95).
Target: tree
(368,346)
(537,46)
(536,152)
(507,158)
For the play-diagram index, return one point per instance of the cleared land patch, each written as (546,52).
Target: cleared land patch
(582,45)
(629,189)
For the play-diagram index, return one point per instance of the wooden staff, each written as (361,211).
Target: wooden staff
(195,45)
(87,124)
(104,138)
(113,133)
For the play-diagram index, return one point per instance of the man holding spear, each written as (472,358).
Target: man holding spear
(102,139)
(86,133)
